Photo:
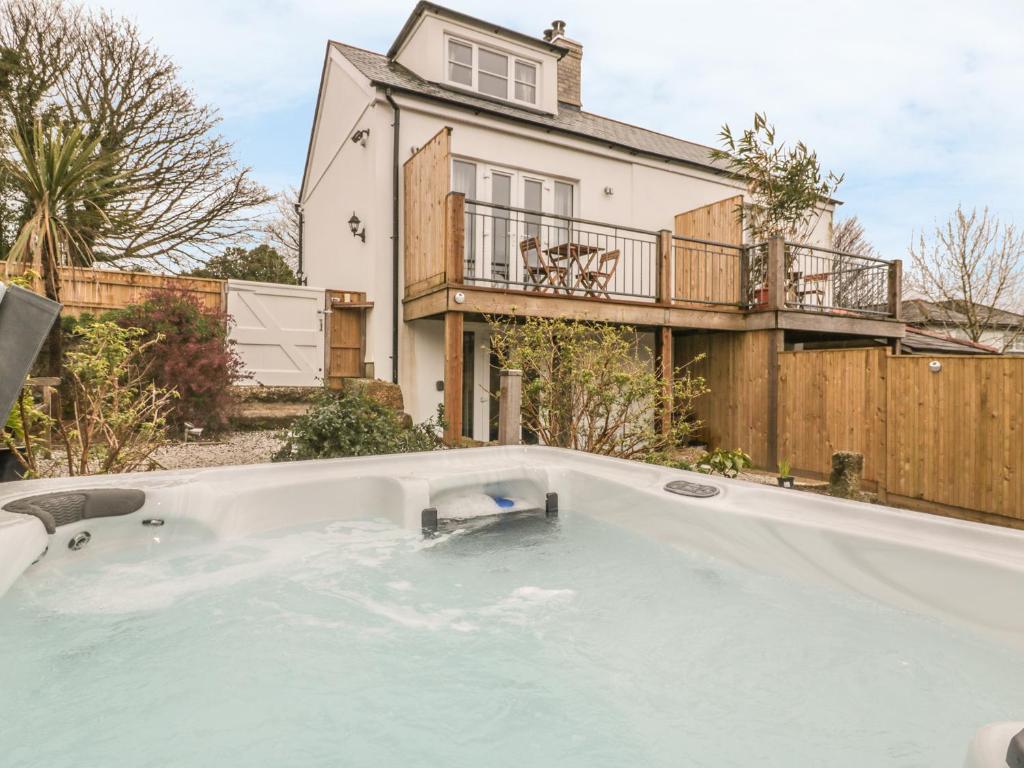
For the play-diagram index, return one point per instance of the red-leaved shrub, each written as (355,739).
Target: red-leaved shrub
(194,357)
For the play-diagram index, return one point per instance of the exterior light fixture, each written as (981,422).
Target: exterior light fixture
(360,136)
(353,224)
(934,366)
(460,297)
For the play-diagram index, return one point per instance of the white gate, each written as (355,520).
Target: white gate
(278,332)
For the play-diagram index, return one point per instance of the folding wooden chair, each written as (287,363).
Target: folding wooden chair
(541,274)
(595,281)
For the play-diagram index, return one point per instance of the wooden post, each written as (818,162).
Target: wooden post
(776,275)
(455,237)
(896,289)
(510,408)
(776,344)
(665,266)
(453,327)
(665,370)
(745,300)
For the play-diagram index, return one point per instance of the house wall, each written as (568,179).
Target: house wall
(345,178)
(647,193)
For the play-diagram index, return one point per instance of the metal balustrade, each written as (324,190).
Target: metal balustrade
(510,247)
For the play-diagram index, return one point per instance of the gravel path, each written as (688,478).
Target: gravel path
(254,447)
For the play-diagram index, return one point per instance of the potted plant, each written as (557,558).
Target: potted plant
(785,479)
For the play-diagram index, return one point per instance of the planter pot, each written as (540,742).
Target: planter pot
(10,467)
(760,298)
(785,482)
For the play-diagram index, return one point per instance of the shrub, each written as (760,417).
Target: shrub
(115,416)
(588,386)
(351,423)
(717,462)
(187,351)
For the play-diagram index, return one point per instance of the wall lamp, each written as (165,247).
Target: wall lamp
(360,136)
(353,224)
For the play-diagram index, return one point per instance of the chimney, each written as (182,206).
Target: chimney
(570,66)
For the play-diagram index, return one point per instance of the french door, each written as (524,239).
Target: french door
(494,234)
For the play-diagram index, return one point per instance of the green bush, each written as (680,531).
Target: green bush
(351,423)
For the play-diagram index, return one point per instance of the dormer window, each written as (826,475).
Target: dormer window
(491,72)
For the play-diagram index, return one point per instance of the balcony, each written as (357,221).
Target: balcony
(525,259)
(472,256)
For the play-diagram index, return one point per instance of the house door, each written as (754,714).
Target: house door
(464,181)
(468,383)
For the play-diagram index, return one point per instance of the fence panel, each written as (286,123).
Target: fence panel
(956,436)
(99,290)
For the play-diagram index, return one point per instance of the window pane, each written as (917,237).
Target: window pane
(460,74)
(464,181)
(526,93)
(563,198)
(532,202)
(501,193)
(459,53)
(526,73)
(493,86)
(494,63)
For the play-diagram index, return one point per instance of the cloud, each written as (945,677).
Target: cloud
(919,103)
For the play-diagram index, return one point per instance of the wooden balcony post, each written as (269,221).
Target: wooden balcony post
(896,289)
(665,370)
(510,408)
(453,327)
(665,266)
(455,236)
(776,273)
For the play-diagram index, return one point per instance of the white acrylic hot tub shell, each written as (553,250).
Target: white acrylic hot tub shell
(963,572)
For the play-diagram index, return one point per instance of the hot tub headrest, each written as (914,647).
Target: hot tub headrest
(64,507)
(1015,752)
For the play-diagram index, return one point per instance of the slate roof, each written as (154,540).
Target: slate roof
(922,312)
(388,74)
(922,341)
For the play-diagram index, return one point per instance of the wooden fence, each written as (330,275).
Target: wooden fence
(949,441)
(98,290)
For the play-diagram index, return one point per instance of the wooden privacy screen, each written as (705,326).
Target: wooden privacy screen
(705,273)
(832,400)
(737,368)
(99,290)
(426,179)
(346,336)
(949,442)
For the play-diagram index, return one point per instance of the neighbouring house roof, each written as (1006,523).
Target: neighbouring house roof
(385,73)
(923,341)
(922,312)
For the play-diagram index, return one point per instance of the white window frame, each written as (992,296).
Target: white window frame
(511,79)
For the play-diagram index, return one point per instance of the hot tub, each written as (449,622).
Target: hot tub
(569,611)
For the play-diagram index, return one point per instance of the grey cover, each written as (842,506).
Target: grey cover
(25,319)
(63,507)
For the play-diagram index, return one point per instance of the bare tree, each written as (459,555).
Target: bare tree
(187,195)
(848,236)
(855,281)
(972,268)
(282,226)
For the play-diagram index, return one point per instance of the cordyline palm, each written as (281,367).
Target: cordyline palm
(67,180)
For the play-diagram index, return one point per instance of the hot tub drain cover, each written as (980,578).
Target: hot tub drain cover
(696,490)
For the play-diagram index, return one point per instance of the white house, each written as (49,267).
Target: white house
(467,138)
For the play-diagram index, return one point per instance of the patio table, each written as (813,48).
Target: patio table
(573,254)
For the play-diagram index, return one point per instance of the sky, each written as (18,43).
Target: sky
(919,103)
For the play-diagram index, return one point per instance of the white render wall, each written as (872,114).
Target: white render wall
(348,178)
